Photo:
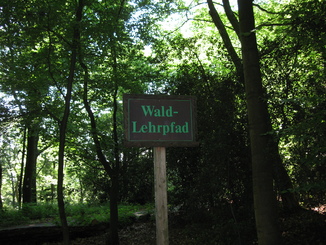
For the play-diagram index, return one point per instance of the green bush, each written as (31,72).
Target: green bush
(12,217)
(77,214)
(39,211)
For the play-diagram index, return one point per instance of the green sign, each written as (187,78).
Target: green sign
(156,120)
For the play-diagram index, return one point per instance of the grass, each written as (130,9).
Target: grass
(12,218)
(77,214)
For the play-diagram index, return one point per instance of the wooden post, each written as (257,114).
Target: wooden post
(161,208)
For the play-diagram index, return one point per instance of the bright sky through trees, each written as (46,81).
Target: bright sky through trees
(189,54)
(183,21)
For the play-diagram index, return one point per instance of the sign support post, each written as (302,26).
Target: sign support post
(160,121)
(161,207)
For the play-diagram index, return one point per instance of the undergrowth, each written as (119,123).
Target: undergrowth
(77,214)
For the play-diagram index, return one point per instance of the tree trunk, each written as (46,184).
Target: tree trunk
(114,214)
(1,204)
(281,177)
(282,180)
(29,184)
(64,121)
(264,198)
(225,37)
(20,181)
(112,171)
(61,205)
(114,193)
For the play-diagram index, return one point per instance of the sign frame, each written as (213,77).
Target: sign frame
(131,101)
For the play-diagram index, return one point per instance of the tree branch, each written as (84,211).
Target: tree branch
(233,20)
(265,10)
(225,37)
(91,116)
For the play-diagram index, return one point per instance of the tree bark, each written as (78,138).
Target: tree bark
(225,37)
(264,198)
(64,121)
(112,171)
(281,177)
(114,197)
(29,184)
(283,182)
(114,214)
(22,165)
(1,204)
(233,20)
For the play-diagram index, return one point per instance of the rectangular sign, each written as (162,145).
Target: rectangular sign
(159,120)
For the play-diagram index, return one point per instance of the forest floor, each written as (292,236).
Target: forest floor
(303,228)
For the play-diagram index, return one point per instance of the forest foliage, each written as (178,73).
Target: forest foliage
(157,47)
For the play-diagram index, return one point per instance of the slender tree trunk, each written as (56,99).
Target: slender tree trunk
(281,177)
(114,195)
(225,37)
(112,171)
(114,214)
(264,198)
(64,122)
(20,181)
(1,204)
(282,180)
(61,205)
(29,184)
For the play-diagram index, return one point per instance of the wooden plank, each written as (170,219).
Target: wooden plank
(161,207)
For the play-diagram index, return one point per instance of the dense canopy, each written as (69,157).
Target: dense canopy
(259,80)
